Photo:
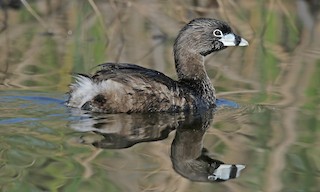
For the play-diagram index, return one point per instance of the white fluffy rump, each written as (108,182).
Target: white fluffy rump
(84,89)
(123,94)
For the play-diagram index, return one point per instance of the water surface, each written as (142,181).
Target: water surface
(270,120)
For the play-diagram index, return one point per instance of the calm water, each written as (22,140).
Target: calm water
(274,130)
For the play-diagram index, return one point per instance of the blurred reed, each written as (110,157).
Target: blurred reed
(45,41)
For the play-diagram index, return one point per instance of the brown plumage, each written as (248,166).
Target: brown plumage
(126,88)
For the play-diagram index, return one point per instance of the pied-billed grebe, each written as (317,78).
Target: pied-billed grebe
(127,88)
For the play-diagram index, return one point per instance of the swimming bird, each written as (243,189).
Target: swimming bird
(129,88)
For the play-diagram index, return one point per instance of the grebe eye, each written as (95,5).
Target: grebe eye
(217,33)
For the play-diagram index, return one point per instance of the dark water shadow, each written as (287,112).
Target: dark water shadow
(189,158)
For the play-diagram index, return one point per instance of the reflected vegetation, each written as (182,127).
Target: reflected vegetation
(275,84)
